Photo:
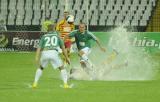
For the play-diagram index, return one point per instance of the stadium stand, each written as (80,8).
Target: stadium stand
(100,12)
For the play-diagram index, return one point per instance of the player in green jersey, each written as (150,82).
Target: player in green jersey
(82,40)
(47,52)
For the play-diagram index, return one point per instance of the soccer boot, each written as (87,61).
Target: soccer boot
(66,86)
(34,85)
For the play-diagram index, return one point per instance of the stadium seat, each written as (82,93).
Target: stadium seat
(36,6)
(27,21)
(125,7)
(79,14)
(52,6)
(35,22)
(101,12)
(136,2)
(102,22)
(19,22)
(117,7)
(109,7)
(77,20)
(144,2)
(119,2)
(54,14)
(109,22)
(93,5)
(111,2)
(12,4)
(37,14)
(84,5)
(143,23)
(102,4)
(134,22)
(118,22)
(127,2)
(11,19)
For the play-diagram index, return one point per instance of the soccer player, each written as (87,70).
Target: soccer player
(82,39)
(65,28)
(47,52)
(46,23)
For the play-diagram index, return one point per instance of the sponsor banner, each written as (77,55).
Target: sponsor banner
(146,40)
(28,41)
(19,41)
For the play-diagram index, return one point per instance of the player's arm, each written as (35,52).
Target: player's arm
(100,46)
(38,52)
(97,41)
(64,51)
(58,25)
(71,35)
(37,57)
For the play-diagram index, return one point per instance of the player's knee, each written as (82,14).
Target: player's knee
(81,53)
(41,68)
(61,68)
(84,57)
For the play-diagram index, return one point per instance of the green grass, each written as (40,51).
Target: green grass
(17,71)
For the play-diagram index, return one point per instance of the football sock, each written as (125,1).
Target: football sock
(90,63)
(64,75)
(84,57)
(38,75)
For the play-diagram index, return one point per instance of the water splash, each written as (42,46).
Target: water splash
(128,63)
(131,63)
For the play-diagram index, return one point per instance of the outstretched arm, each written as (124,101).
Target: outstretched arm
(65,37)
(100,46)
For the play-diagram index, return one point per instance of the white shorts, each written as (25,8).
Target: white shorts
(86,51)
(51,56)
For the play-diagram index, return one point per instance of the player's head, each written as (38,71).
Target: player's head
(51,27)
(82,27)
(66,13)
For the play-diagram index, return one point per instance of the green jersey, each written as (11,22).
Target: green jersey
(82,39)
(50,41)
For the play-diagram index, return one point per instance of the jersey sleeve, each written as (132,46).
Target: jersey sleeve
(58,25)
(92,36)
(72,34)
(61,43)
(41,42)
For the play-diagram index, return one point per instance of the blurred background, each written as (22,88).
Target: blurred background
(100,15)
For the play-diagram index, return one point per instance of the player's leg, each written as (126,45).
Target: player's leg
(85,61)
(39,71)
(88,68)
(111,57)
(64,76)
(37,76)
(68,47)
(56,62)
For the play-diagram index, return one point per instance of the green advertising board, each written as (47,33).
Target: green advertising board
(150,41)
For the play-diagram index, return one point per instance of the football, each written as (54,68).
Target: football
(70,19)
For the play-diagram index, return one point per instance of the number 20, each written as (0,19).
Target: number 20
(51,41)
